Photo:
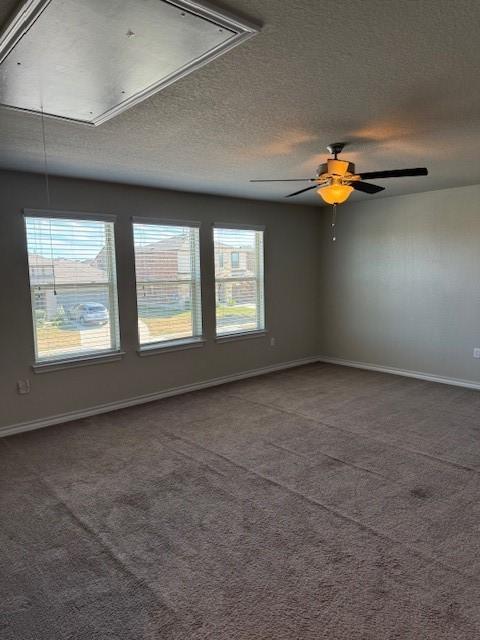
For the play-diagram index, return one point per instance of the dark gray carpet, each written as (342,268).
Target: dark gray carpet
(320,502)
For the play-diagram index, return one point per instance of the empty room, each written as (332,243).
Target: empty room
(240,320)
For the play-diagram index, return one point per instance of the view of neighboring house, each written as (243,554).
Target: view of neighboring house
(164,260)
(162,266)
(59,284)
(162,269)
(234,262)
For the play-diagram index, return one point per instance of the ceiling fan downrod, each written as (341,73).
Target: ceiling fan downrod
(335,148)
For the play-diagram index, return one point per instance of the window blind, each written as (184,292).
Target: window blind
(239,280)
(73,287)
(167,266)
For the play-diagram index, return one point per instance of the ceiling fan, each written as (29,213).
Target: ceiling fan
(336,179)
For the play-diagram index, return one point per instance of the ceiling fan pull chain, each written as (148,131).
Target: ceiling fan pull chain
(334,221)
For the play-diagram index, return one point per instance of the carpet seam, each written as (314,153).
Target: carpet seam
(327,455)
(298,414)
(84,526)
(339,514)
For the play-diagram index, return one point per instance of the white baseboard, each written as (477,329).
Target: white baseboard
(457,382)
(213,382)
(130,402)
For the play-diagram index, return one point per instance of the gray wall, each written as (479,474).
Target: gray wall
(292,268)
(401,286)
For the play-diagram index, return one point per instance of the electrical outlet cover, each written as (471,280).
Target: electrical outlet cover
(23,386)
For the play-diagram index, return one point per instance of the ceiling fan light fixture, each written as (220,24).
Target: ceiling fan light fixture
(335,193)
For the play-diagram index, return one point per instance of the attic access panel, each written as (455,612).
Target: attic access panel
(90,60)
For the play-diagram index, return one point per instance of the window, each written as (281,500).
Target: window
(167,264)
(239,286)
(73,287)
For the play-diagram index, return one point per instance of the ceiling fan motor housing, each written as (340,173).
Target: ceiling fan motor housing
(336,168)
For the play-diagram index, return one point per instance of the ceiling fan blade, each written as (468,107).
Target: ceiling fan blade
(313,186)
(287,180)
(366,187)
(394,173)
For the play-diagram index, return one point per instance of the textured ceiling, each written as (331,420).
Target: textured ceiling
(398,79)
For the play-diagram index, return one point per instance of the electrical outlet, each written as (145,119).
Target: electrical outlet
(272,342)
(476,352)
(23,386)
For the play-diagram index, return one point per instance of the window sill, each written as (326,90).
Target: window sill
(171,345)
(247,335)
(57,365)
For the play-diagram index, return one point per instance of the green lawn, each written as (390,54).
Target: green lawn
(181,322)
(241,312)
(51,337)
(166,325)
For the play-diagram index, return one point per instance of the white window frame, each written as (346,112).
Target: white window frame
(197,340)
(102,355)
(259,279)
